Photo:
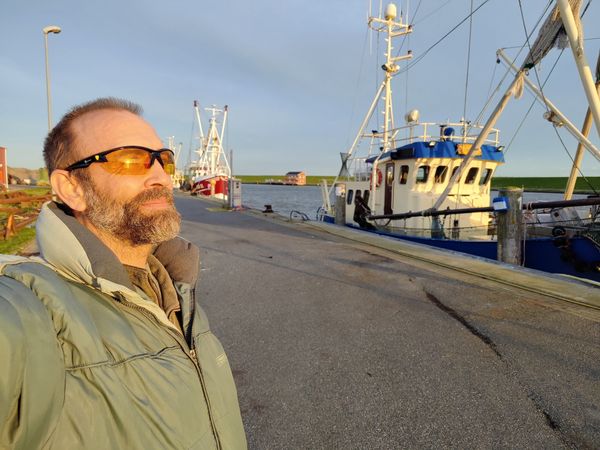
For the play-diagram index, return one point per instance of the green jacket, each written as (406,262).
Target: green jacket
(87,362)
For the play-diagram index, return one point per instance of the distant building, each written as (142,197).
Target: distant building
(295,178)
(3,168)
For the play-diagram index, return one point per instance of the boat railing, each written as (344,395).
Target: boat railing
(459,132)
(358,169)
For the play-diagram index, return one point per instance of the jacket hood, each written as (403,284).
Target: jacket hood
(79,255)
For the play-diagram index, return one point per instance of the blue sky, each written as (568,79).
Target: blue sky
(297,75)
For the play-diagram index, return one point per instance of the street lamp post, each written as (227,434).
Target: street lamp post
(50,29)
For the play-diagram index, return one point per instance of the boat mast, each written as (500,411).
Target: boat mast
(213,145)
(201,149)
(197,112)
(215,158)
(222,137)
(585,130)
(393,29)
(585,73)
(390,69)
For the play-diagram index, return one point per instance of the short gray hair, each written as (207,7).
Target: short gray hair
(58,146)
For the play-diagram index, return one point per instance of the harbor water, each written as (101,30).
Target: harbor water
(307,199)
(283,199)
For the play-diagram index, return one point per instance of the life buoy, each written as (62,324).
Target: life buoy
(379,178)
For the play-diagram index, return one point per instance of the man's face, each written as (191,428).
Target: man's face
(138,209)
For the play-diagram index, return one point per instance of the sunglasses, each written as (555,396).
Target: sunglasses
(129,160)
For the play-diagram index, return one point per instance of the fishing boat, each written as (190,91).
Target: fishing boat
(178,177)
(430,182)
(209,174)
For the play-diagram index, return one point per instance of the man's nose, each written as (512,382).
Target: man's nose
(158,176)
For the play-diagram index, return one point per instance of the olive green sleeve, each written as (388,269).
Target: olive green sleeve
(31,369)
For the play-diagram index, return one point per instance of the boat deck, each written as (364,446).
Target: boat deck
(337,343)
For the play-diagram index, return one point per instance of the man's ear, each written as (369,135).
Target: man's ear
(68,189)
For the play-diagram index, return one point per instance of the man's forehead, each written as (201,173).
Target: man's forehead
(100,130)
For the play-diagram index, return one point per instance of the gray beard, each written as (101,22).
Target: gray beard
(126,221)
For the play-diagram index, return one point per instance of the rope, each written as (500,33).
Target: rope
(189,161)
(452,30)
(492,79)
(468,62)
(443,5)
(303,216)
(377,74)
(535,100)
(548,36)
(588,182)
(356,90)
(507,72)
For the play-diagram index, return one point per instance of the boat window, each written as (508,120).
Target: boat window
(350,196)
(366,196)
(422,174)
(440,174)
(403,174)
(389,175)
(453,172)
(471,175)
(485,177)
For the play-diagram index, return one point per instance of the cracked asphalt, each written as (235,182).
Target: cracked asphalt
(335,346)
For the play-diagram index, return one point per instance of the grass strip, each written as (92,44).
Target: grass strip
(18,242)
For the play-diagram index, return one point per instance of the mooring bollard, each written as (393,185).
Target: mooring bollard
(340,204)
(510,225)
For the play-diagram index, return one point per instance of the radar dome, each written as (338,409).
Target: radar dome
(390,12)
(412,116)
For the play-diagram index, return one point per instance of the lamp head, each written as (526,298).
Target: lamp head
(51,29)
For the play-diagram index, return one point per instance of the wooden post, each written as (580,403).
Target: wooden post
(340,204)
(510,227)
(10,226)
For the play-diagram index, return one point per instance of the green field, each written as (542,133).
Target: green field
(548,184)
(532,184)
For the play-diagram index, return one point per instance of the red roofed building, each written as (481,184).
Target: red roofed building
(295,178)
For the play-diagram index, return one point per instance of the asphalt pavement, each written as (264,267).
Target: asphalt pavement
(340,346)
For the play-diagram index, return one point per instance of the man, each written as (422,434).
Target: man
(102,345)
(361,212)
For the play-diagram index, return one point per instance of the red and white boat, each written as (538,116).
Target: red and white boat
(209,174)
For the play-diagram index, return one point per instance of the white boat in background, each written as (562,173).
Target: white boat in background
(430,182)
(209,174)
(178,177)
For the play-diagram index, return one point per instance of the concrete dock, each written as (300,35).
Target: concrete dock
(338,343)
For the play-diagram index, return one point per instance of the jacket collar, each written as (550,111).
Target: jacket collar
(77,253)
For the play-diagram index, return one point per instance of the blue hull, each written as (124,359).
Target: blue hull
(579,258)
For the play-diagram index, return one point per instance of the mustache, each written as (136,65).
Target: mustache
(158,193)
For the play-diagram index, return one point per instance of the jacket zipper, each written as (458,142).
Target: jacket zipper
(190,351)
